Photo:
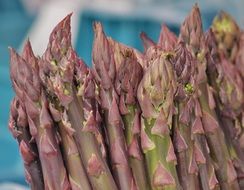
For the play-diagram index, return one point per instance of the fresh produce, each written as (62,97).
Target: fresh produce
(18,125)
(168,118)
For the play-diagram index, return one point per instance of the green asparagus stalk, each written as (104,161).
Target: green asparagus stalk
(192,35)
(87,95)
(26,83)
(129,74)
(18,125)
(57,74)
(105,72)
(77,174)
(155,95)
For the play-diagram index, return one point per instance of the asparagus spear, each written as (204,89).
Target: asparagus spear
(87,94)
(77,174)
(151,51)
(229,40)
(57,74)
(18,125)
(147,42)
(105,72)
(229,88)
(188,126)
(239,62)
(167,39)
(227,34)
(155,95)
(26,83)
(129,74)
(166,42)
(192,35)
(191,115)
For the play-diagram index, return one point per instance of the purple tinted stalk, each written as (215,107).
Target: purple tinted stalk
(87,94)
(151,51)
(229,97)
(18,125)
(229,39)
(167,39)
(189,136)
(57,74)
(192,35)
(147,42)
(186,168)
(105,71)
(26,83)
(77,173)
(239,62)
(129,74)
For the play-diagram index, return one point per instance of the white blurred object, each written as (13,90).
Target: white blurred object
(172,11)
(32,6)
(49,15)
(12,186)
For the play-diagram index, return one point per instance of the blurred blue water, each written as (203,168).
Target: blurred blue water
(14,23)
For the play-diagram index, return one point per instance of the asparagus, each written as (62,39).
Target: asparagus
(155,95)
(77,174)
(166,42)
(87,95)
(227,34)
(228,85)
(147,42)
(189,139)
(192,35)
(167,39)
(57,74)
(129,74)
(26,83)
(151,50)
(239,62)
(180,102)
(105,71)
(18,125)
(229,40)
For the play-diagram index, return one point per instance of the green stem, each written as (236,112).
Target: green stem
(88,148)
(158,155)
(188,180)
(77,174)
(137,164)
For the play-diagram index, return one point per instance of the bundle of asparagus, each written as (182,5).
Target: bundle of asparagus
(169,118)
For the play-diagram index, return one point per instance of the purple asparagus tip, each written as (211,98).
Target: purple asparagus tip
(191,31)
(167,39)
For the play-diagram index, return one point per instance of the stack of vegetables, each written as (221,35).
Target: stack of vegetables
(169,118)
